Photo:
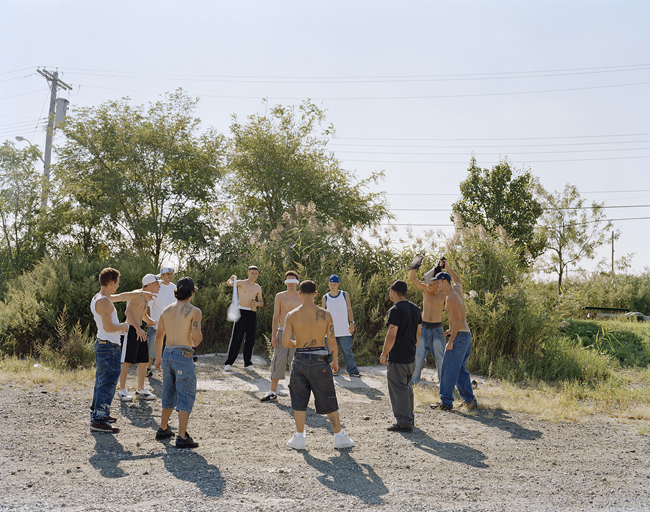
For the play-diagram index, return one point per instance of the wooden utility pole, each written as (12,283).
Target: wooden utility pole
(53,80)
(612,253)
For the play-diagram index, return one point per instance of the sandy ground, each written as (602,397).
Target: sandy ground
(488,459)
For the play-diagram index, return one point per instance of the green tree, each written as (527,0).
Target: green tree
(21,186)
(281,158)
(141,178)
(502,197)
(572,230)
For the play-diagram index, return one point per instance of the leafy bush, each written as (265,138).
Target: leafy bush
(74,347)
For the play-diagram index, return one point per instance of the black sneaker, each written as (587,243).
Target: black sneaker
(398,428)
(103,427)
(164,434)
(269,397)
(188,442)
(440,406)
(356,374)
(149,372)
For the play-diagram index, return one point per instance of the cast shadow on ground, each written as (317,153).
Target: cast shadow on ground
(139,413)
(345,475)
(188,465)
(109,454)
(454,452)
(500,419)
(361,388)
(312,420)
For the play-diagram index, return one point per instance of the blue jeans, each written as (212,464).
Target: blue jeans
(432,339)
(345,344)
(454,371)
(179,380)
(108,358)
(151,342)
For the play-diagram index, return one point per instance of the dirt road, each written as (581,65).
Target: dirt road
(487,459)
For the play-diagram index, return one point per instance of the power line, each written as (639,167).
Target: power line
(505,138)
(576,224)
(378,98)
(361,79)
(456,194)
(21,94)
(494,163)
(500,153)
(141,74)
(473,146)
(547,209)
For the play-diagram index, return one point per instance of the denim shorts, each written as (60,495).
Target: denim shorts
(311,374)
(179,380)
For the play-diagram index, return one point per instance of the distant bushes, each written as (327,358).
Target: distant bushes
(514,321)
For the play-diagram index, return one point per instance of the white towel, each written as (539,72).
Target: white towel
(233,311)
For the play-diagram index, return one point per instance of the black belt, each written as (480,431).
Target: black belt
(431,325)
(307,355)
(104,342)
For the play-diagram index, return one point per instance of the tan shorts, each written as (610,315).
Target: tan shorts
(281,355)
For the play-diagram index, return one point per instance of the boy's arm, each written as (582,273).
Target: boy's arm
(452,313)
(131,320)
(258,297)
(452,274)
(160,336)
(105,310)
(288,331)
(331,343)
(389,341)
(195,331)
(122,297)
(276,320)
(350,314)
(418,284)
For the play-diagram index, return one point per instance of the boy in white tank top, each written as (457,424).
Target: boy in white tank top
(107,347)
(338,303)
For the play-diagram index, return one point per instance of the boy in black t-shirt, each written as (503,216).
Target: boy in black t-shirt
(404,324)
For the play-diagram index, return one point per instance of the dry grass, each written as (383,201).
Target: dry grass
(624,397)
(29,372)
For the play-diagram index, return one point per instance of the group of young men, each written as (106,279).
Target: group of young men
(304,335)
(166,309)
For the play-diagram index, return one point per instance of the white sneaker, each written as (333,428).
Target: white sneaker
(145,394)
(297,442)
(227,368)
(341,440)
(249,368)
(124,395)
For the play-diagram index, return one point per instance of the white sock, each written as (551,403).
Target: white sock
(300,434)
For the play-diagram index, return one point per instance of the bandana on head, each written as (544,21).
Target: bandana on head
(291,281)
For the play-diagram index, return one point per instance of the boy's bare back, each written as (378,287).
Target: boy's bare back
(310,325)
(182,324)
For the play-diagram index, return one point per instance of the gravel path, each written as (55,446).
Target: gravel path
(480,460)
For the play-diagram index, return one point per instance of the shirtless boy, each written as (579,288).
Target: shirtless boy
(311,371)
(181,323)
(284,302)
(454,365)
(432,336)
(107,347)
(134,347)
(250,298)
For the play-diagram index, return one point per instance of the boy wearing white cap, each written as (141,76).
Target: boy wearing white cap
(134,344)
(164,298)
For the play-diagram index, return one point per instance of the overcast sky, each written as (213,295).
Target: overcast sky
(412,88)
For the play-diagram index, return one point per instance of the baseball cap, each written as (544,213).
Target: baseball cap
(442,275)
(399,286)
(334,279)
(185,285)
(148,279)
(166,269)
